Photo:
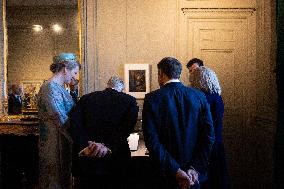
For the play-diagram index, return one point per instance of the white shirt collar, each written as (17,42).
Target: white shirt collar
(172,80)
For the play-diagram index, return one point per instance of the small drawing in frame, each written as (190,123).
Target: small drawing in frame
(137,80)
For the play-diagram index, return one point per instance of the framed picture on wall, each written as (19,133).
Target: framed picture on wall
(137,79)
(30,91)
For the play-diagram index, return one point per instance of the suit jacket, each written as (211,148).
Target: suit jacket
(106,117)
(177,128)
(74,95)
(14,105)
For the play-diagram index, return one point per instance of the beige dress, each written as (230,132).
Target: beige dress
(55,153)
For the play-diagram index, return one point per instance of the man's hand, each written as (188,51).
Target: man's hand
(183,179)
(193,176)
(98,150)
(95,150)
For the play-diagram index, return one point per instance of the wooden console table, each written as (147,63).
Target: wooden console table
(18,151)
(19,125)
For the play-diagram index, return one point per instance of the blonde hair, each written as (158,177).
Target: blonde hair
(68,60)
(206,80)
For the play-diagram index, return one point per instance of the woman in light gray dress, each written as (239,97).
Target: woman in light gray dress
(54,104)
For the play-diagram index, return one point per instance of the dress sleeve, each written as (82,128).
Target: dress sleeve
(55,106)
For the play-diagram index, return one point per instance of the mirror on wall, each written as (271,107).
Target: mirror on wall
(36,31)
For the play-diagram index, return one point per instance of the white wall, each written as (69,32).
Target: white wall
(134,32)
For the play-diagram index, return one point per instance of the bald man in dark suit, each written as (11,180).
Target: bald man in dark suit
(102,121)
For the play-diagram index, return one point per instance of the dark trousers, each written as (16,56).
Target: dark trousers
(144,174)
(167,183)
(108,173)
(218,177)
(102,182)
(19,162)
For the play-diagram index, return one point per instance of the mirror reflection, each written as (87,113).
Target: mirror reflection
(36,32)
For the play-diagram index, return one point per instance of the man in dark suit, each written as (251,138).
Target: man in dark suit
(74,92)
(15,100)
(102,122)
(177,128)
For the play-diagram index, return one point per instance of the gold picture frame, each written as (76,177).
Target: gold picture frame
(30,91)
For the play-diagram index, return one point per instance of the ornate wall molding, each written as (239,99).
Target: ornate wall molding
(218,3)
(218,12)
(187,14)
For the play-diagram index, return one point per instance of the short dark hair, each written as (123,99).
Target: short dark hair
(171,67)
(194,60)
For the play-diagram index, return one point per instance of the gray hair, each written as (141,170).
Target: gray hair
(206,80)
(116,83)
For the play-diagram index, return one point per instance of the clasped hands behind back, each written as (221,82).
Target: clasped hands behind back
(95,150)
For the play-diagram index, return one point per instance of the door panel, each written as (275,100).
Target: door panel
(225,40)
(220,44)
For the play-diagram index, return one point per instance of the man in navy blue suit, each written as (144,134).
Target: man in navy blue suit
(15,100)
(178,129)
(100,124)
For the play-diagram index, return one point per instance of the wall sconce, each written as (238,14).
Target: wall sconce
(37,28)
(57,28)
